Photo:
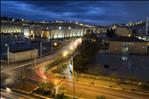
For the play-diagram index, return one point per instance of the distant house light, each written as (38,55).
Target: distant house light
(13,19)
(76,22)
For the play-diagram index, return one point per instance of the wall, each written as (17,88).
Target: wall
(8,28)
(21,56)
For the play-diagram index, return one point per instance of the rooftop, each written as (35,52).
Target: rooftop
(21,49)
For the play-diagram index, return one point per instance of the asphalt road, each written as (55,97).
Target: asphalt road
(91,91)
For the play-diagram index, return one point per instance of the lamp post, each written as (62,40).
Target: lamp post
(73,74)
(35,58)
(72,71)
(69,28)
(7,52)
(41,49)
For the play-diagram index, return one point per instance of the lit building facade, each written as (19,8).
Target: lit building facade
(43,30)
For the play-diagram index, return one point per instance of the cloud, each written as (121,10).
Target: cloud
(98,12)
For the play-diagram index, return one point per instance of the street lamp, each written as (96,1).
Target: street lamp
(41,49)
(55,44)
(59,27)
(73,75)
(7,52)
(65,53)
(72,71)
(35,58)
(69,28)
(71,47)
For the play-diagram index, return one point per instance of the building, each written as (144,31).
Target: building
(22,55)
(43,29)
(123,31)
(128,45)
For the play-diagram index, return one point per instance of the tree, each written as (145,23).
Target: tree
(47,86)
(110,33)
(88,49)
(134,32)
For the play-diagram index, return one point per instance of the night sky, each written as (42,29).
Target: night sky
(94,12)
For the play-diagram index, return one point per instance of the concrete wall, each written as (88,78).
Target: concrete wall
(7,28)
(40,32)
(67,33)
(117,47)
(21,56)
(56,33)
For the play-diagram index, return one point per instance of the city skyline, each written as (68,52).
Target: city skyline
(96,12)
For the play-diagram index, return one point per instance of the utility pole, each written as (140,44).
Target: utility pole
(41,49)
(35,58)
(73,74)
(7,53)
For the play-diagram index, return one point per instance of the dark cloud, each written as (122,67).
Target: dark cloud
(98,12)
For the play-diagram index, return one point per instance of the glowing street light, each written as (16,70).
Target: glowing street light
(69,28)
(76,22)
(7,52)
(59,27)
(65,53)
(71,47)
(55,44)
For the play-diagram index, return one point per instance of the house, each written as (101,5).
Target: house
(128,45)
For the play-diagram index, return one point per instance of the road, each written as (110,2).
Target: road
(91,91)
(87,90)
(15,95)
